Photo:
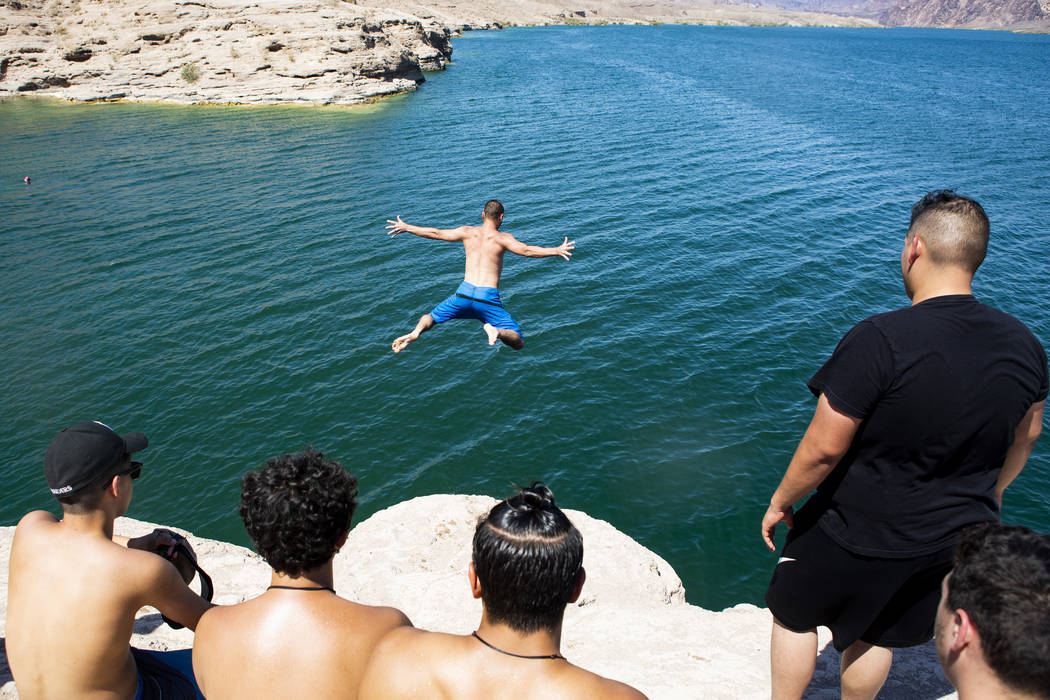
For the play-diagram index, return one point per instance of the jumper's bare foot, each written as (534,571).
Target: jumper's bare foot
(403,342)
(491,331)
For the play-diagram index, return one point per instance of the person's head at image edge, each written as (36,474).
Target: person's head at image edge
(993,623)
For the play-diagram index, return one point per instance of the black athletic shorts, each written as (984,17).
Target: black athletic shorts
(885,602)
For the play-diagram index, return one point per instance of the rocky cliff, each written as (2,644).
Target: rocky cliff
(286,51)
(632,622)
(245,51)
(968,13)
(347,51)
(973,14)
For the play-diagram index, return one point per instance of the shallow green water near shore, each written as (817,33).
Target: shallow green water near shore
(219,278)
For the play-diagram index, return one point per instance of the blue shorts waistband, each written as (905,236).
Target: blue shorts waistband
(489,294)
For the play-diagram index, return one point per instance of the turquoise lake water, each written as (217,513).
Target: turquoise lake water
(220,279)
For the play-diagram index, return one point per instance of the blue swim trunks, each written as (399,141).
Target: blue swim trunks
(165,675)
(481,303)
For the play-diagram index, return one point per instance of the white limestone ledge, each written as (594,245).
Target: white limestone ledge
(632,622)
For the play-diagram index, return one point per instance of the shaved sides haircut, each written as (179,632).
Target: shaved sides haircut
(493,210)
(527,555)
(954,228)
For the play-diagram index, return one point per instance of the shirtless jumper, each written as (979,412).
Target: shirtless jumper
(478,295)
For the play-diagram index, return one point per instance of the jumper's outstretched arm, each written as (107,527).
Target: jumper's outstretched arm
(442,234)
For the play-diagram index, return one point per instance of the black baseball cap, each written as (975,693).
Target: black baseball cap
(85,453)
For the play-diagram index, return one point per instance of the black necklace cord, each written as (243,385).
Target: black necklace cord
(511,653)
(303,588)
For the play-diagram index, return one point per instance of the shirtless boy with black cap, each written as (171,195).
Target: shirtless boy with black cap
(527,566)
(74,587)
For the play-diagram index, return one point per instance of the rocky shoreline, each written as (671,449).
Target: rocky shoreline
(314,52)
(224,51)
(632,622)
(328,52)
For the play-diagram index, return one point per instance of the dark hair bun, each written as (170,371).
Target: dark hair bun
(534,497)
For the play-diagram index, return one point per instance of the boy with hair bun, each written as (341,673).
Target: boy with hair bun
(527,565)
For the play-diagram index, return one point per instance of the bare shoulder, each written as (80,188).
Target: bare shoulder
(33,535)
(144,572)
(34,520)
(216,619)
(508,241)
(401,639)
(592,685)
(390,618)
(410,649)
(398,667)
(223,626)
(616,689)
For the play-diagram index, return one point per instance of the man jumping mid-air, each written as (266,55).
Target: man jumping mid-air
(478,297)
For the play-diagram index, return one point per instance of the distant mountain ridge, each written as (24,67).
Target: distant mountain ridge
(932,13)
(958,13)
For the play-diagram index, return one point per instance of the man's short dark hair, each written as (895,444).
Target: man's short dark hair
(88,499)
(296,509)
(1002,580)
(527,555)
(493,210)
(954,228)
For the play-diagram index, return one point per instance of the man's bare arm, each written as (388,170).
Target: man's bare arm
(534,251)
(1024,440)
(160,541)
(168,593)
(827,439)
(442,234)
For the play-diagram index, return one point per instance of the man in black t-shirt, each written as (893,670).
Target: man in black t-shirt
(924,416)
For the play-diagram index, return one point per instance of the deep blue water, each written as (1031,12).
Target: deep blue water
(219,277)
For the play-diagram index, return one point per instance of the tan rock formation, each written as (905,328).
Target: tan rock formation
(632,622)
(269,51)
(971,14)
(458,13)
(283,51)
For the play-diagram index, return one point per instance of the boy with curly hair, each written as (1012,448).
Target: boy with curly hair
(299,638)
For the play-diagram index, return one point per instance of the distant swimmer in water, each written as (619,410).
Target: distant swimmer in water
(26,178)
(478,297)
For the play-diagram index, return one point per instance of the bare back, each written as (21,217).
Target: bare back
(412,663)
(484,247)
(288,644)
(72,599)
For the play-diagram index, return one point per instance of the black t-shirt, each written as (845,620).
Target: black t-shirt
(940,388)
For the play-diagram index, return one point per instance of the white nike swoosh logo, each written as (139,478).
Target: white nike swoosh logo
(784,559)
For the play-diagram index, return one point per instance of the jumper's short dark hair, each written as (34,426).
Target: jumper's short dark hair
(527,555)
(1002,580)
(493,210)
(954,228)
(296,509)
